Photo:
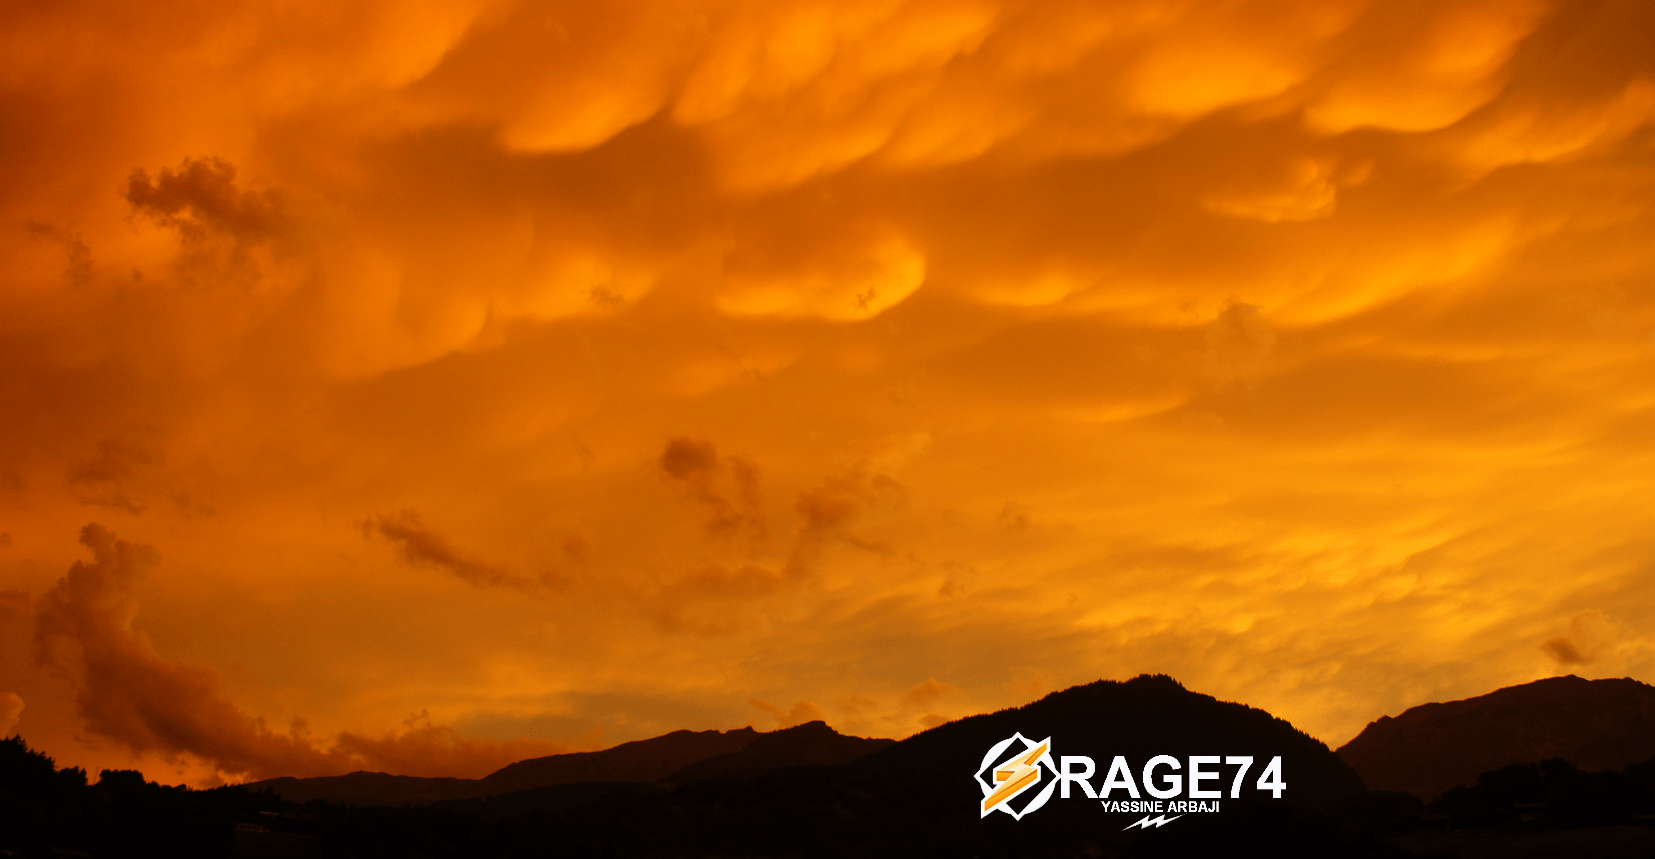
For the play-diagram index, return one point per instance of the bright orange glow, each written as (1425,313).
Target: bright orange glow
(455,381)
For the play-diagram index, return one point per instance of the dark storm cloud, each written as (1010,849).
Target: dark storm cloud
(200,196)
(828,514)
(728,486)
(127,692)
(77,265)
(421,546)
(115,461)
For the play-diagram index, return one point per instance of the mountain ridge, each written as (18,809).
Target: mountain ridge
(1595,725)
(809,744)
(672,757)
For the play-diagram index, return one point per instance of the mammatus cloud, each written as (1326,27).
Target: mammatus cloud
(1297,348)
(128,693)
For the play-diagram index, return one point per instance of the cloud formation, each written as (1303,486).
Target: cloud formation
(685,355)
(802,712)
(128,693)
(828,513)
(200,197)
(1590,635)
(420,546)
(728,486)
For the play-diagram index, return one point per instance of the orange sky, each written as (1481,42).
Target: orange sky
(421,386)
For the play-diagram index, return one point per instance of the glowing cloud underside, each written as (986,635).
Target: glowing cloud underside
(509,375)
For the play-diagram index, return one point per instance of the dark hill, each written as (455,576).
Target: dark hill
(919,797)
(916,798)
(639,761)
(1593,724)
(810,744)
(1140,718)
(366,788)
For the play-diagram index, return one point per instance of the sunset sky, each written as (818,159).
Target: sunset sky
(421,386)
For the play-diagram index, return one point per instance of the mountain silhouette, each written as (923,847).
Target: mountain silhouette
(810,744)
(743,793)
(781,793)
(678,757)
(919,797)
(1592,724)
(639,761)
(370,788)
(1140,718)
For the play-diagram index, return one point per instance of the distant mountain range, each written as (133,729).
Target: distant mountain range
(811,791)
(678,757)
(1593,724)
(918,797)
(811,785)
(812,744)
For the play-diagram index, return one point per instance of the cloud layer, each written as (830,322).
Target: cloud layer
(694,364)
(128,693)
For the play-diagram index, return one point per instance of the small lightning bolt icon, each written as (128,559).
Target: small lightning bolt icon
(1157,822)
(1014,775)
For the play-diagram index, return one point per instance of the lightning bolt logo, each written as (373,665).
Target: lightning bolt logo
(1015,775)
(1159,821)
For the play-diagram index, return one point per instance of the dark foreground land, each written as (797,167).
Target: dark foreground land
(909,799)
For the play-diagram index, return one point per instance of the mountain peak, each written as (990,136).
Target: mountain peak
(812,743)
(1593,724)
(638,761)
(814,726)
(1140,718)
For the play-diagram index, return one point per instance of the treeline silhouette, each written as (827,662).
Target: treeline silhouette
(42,807)
(1551,794)
(796,812)
(801,812)
(910,799)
